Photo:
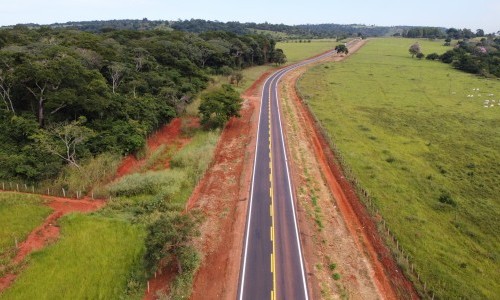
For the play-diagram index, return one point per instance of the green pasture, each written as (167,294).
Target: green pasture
(296,51)
(94,259)
(19,215)
(419,137)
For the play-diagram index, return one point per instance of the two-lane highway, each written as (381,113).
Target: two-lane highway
(272,260)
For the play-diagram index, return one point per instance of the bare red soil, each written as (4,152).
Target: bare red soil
(48,232)
(160,283)
(170,134)
(225,205)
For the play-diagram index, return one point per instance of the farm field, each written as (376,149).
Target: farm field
(19,215)
(422,139)
(296,52)
(85,263)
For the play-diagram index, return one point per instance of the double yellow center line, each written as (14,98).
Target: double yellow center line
(271,208)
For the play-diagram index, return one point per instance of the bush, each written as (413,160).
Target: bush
(432,56)
(446,198)
(420,55)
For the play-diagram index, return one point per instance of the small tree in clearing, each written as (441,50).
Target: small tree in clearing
(341,49)
(414,49)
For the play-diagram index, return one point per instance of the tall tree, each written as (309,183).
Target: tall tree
(279,57)
(415,49)
(64,139)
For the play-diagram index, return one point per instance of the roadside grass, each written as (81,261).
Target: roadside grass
(94,259)
(427,154)
(93,174)
(187,166)
(296,52)
(19,215)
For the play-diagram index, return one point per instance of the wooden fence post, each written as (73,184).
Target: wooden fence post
(64,192)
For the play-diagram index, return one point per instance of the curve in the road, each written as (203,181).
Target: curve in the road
(272,260)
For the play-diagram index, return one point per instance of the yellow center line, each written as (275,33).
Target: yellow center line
(271,207)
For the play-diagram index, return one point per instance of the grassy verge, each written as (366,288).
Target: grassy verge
(19,215)
(93,260)
(427,154)
(157,197)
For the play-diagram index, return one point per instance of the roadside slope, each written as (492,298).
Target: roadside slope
(344,255)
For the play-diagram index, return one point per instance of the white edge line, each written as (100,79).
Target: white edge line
(292,198)
(283,72)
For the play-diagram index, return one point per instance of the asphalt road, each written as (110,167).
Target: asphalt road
(272,265)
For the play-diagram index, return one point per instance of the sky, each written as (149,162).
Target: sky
(483,14)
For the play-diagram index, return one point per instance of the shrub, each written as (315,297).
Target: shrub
(446,198)
(432,56)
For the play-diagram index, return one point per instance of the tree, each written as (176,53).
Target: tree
(6,83)
(219,105)
(479,32)
(279,57)
(414,49)
(64,139)
(341,49)
(168,238)
(236,77)
(116,73)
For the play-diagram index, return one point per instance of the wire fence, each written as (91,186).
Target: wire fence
(402,257)
(21,187)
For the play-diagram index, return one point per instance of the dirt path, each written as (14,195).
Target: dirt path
(338,234)
(48,232)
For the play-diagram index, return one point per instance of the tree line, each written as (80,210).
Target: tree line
(482,58)
(304,31)
(77,94)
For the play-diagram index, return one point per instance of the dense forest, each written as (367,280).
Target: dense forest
(305,31)
(75,94)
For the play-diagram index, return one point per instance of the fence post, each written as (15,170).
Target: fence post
(25,187)
(17,187)
(3,186)
(33,189)
(92,195)
(64,192)
(48,191)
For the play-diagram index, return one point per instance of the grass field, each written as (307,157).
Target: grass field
(93,260)
(426,151)
(19,215)
(296,52)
